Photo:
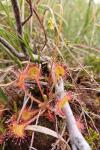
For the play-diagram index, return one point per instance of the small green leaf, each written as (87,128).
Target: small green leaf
(3,97)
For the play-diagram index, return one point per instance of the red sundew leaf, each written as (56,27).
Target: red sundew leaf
(60,103)
(80,124)
(59,109)
(21,81)
(30,72)
(16,130)
(34,73)
(57,72)
(25,116)
(49,115)
(22,77)
(28,114)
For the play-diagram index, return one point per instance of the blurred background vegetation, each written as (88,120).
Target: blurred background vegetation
(72,27)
